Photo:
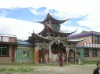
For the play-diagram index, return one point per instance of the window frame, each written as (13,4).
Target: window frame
(86,50)
(25,53)
(2,47)
(93,52)
(96,39)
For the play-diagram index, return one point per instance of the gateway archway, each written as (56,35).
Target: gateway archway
(55,39)
(58,51)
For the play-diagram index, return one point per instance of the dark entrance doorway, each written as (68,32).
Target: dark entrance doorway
(71,55)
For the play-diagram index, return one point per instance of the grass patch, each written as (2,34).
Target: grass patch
(46,64)
(17,64)
(25,69)
(5,69)
(17,69)
(57,64)
(91,62)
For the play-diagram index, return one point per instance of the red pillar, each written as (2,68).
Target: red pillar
(66,57)
(48,57)
(43,57)
(13,53)
(60,57)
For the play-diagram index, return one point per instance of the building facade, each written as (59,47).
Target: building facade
(24,52)
(7,48)
(91,44)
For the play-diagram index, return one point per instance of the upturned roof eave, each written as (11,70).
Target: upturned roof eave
(38,38)
(52,19)
(50,30)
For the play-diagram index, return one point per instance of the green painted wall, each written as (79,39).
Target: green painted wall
(21,58)
(80,52)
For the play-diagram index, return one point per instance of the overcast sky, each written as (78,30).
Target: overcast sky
(18,17)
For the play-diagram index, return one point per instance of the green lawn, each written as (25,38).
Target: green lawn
(16,69)
(11,68)
(91,62)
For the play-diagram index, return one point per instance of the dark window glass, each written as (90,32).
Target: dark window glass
(86,52)
(4,50)
(96,39)
(0,51)
(94,52)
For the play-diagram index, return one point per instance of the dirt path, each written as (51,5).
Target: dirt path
(72,69)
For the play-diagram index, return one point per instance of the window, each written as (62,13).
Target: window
(94,52)
(25,53)
(56,27)
(86,52)
(96,39)
(4,50)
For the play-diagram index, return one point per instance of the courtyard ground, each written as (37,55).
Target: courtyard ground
(47,69)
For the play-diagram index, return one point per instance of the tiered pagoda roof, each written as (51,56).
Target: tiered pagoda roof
(34,38)
(47,31)
(51,19)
